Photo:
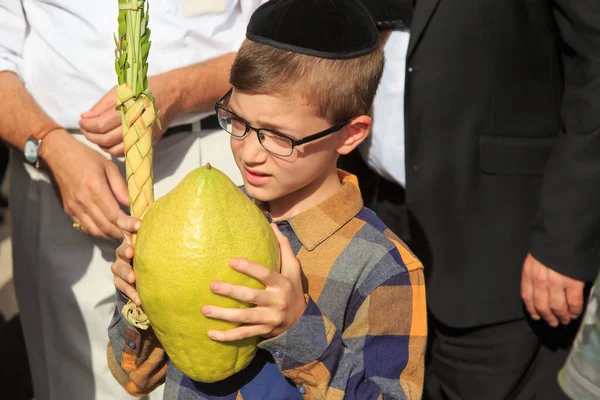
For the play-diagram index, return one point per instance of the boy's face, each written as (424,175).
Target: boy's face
(268,177)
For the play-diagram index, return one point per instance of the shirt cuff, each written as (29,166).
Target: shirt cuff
(9,66)
(304,342)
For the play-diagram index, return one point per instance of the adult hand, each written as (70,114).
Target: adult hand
(549,294)
(102,124)
(121,268)
(279,306)
(90,186)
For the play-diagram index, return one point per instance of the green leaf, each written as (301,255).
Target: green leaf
(145,50)
(122,29)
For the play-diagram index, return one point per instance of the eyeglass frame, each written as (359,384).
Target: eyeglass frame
(295,142)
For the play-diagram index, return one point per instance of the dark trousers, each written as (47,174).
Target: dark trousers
(517,360)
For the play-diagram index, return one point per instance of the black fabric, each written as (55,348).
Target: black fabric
(335,29)
(390,14)
(516,360)
(502,148)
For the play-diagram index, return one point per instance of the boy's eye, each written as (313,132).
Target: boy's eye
(237,124)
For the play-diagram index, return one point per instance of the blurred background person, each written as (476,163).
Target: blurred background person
(503,181)
(67,188)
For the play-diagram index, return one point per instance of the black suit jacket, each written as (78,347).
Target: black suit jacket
(502,147)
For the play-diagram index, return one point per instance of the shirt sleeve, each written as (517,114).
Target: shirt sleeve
(135,357)
(379,355)
(12,36)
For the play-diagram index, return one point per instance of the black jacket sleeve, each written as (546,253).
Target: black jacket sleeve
(566,234)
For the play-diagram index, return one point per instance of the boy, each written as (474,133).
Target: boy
(346,316)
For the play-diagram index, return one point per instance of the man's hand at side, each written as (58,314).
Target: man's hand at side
(549,294)
(91,186)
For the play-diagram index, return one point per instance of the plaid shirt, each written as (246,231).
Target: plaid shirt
(362,335)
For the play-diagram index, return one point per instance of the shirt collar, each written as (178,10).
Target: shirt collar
(318,223)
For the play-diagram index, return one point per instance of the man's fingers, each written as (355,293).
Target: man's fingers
(240,333)
(574,293)
(117,184)
(557,301)
(105,140)
(116,151)
(102,221)
(260,272)
(102,123)
(541,296)
(106,102)
(527,295)
(89,226)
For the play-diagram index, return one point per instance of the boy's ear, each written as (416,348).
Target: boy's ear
(355,133)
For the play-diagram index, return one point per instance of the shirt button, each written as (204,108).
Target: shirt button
(131,345)
(277,353)
(410,69)
(302,389)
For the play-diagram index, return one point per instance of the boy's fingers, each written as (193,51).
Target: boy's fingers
(123,270)
(290,266)
(240,333)
(125,252)
(128,290)
(241,293)
(236,315)
(129,224)
(255,270)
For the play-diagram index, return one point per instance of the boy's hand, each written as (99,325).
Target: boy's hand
(121,269)
(279,306)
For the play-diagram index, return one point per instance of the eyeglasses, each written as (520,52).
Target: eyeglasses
(274,142)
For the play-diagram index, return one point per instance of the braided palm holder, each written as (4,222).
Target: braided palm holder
(137,116)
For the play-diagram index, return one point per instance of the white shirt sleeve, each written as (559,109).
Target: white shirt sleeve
(12,35)
(383,151)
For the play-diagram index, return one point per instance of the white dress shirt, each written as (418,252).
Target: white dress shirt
(40,44)
(384,150)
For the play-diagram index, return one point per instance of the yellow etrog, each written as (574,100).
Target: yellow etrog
(186,241)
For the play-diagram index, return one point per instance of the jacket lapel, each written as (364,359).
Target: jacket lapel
(423,11)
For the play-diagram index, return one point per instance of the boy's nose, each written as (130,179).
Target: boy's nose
(253,151)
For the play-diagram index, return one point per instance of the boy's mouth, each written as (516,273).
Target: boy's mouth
(256,178)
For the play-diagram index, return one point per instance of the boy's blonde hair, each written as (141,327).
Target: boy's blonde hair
(339,89)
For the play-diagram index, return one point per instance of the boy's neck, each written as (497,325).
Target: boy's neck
(306,198)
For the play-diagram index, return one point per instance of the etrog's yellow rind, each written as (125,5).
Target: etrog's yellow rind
(186,241)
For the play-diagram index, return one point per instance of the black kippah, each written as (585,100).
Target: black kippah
(334,29)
